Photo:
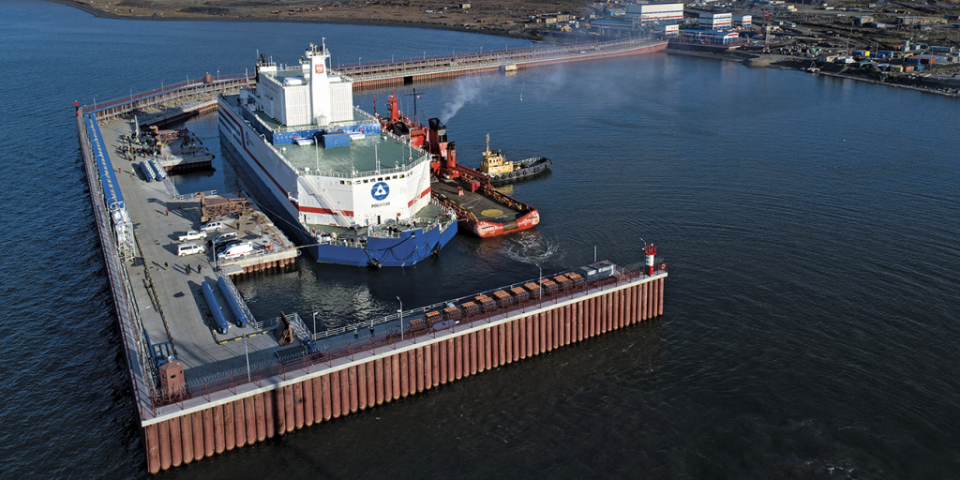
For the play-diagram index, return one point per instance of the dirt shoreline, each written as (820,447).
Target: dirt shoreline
(288,19)
(784,62)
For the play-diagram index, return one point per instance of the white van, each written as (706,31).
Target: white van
(239,250)
(215,225)
(189,249)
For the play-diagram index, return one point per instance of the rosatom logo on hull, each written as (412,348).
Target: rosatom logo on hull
(380,191)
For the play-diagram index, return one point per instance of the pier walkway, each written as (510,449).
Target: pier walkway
(199,95)
(413,70)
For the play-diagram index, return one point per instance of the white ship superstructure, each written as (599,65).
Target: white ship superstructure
(325,162)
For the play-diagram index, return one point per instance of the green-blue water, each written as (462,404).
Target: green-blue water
(810,226)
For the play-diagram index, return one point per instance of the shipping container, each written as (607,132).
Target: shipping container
(335,139)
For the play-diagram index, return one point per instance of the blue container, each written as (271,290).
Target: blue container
(335,139)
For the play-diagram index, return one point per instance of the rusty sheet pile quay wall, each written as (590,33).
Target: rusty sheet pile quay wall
(325,387)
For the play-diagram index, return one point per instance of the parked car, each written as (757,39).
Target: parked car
(215,225)
(189,249)
(224,237)
(192,235)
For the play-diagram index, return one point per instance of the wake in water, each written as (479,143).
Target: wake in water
(530,247)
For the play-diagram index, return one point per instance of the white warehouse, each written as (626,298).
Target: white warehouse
(656,12)
(715,21)
(669,30)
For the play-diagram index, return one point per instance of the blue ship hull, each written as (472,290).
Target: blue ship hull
(411,247)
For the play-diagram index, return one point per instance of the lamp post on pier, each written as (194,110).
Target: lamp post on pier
(400,313)
(246,353)
(644,252)
(540,289)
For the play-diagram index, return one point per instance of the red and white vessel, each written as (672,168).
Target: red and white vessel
(480,208)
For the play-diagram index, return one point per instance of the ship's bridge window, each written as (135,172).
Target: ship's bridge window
(394,177)
(342,182)
(401,175)
(380,179)
(365,180)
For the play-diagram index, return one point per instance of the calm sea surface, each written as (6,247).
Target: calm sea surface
(811,227)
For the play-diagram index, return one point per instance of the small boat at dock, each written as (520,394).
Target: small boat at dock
(500,170)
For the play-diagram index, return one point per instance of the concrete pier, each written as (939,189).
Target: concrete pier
(323,375)
(295,378)
(416,70)
(372,372)
(165,287)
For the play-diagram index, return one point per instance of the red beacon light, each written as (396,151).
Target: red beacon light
(651,252)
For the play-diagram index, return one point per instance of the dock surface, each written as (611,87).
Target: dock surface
(167,287)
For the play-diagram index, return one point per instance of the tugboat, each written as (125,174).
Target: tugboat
(480,209)
(499,169)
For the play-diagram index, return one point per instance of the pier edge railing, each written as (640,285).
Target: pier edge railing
(128,319)
(492,59)
(309,362)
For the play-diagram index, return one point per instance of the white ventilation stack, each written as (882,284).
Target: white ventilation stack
(319,84)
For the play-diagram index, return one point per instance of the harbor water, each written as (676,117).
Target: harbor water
(809,225)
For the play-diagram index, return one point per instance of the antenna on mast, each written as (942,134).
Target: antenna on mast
(415,97)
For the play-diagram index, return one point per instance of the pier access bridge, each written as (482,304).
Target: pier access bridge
(414,70)
(199,95)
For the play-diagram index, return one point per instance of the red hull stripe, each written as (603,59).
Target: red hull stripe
(523,223)
(422,194)
(324,211)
